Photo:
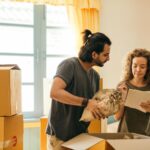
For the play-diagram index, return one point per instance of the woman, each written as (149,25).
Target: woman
(136,76)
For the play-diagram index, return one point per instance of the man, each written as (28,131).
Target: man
(73,86)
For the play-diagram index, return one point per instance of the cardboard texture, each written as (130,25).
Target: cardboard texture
(11,132)
(10,90)
(108,141)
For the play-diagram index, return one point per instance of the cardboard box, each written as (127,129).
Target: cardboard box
(10,90)
(108,141)
(43,137)
(11,132)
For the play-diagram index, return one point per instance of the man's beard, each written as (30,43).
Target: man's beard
(98,63)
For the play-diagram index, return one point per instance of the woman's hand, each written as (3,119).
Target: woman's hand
(146,106)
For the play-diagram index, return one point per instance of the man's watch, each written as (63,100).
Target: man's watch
(85,102)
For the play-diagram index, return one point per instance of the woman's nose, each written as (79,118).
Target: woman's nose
(138,69)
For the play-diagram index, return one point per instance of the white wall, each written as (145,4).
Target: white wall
(127,23)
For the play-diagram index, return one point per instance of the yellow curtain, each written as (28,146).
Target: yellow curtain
(90,19)
(84,14)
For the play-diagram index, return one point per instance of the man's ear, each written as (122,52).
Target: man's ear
(94,55)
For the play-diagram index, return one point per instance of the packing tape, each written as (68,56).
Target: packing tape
(8,143)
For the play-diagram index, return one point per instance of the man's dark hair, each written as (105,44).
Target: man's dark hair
(92,42)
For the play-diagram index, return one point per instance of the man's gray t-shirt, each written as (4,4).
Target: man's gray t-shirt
(64,119)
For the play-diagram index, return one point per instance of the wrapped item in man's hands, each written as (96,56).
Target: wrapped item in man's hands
(109,102)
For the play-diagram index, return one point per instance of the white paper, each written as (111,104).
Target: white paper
(82,142)
(135,97)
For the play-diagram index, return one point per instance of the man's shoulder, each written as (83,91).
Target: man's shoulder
(68,63)
(70,60)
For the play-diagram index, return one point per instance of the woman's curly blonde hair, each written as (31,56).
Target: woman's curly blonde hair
(127,73)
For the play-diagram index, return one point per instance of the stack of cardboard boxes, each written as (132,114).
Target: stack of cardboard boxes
(11,119)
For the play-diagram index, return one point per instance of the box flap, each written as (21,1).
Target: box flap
(120,135)
(9,67)
(140,136)
(82,142)
(134,144)
(124,141)
(114,135)
(102,145)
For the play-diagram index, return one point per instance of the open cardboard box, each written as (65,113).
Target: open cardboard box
(10,90)
(108,141)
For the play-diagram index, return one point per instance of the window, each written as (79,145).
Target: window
(37,38)
(60,40)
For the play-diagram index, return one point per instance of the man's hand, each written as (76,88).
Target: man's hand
(94,108)
(146,106)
